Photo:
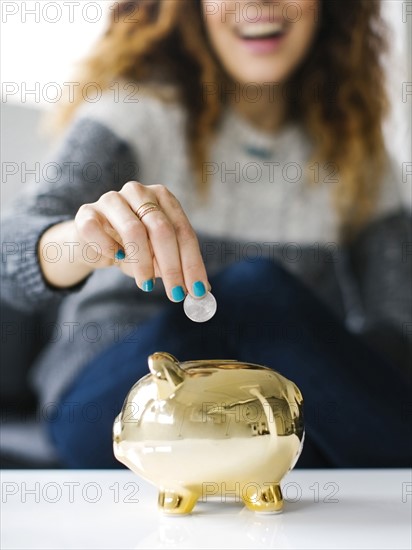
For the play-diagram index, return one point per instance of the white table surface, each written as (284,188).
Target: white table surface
(330,509)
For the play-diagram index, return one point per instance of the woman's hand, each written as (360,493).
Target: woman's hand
(160,244)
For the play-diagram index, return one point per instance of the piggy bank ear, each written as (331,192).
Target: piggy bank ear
(166,372)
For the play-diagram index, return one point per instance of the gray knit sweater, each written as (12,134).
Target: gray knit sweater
(259,205)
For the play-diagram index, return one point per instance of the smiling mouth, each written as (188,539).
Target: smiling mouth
(260,31)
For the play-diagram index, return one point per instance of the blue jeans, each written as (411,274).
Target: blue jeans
(355,402)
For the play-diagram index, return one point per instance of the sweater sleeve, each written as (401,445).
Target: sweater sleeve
(90,160)
(381,260)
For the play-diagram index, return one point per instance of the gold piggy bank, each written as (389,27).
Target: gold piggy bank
(211,428)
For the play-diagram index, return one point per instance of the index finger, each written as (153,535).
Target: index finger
(193,267)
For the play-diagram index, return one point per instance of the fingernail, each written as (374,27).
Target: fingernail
(120,255)
(199,289)
(178,294)
(148,285)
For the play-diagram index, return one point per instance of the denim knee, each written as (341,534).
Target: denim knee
(247,278)
(81,433)
(257,286)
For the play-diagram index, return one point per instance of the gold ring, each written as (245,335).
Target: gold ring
(146,208)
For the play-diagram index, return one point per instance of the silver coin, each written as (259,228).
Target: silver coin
(200,309)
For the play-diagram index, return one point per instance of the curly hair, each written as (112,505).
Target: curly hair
(344,117)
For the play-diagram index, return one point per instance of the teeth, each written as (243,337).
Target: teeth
(254,30)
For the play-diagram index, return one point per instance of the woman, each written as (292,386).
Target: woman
(236,145)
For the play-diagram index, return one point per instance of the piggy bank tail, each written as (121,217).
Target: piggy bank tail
(117,435)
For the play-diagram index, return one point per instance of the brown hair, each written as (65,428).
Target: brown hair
(343,69)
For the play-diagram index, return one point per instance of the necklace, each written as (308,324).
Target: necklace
(259,152)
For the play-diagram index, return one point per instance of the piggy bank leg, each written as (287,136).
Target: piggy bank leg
(177,502)
(265,500)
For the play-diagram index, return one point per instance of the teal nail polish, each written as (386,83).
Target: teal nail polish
(148,285)
(120,255)
(199,289)
(178,293)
